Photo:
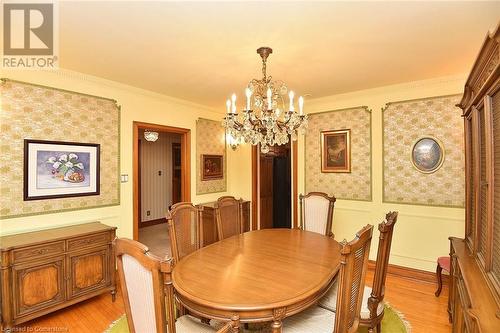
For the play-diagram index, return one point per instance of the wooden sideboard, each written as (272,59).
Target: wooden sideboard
(43,271)
(210,224)
(474,302)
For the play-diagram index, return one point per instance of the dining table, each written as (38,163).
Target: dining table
(260,276)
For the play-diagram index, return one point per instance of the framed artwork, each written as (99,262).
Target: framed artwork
(56,169)
(212,167)
(336,151)
(427,154)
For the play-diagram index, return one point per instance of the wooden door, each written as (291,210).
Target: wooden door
(89,271)
(38,285)
(266,191)
(176,173)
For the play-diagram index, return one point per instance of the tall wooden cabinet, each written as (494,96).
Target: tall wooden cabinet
(474,303)
(44,271)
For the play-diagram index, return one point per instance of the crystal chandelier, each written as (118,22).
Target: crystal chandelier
(264,120)
(150,135)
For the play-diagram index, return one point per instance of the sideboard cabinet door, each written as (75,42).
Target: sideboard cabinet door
(38,285)
(89,271)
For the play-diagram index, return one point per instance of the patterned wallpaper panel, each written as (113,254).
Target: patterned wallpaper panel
(35,112)
(404,123)
(355,185)
(210,140)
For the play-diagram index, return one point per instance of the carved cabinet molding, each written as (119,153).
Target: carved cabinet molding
(474,302)
(44,271)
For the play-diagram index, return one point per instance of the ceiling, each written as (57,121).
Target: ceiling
(204,51)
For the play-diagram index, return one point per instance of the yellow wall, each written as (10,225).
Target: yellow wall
(136,105)
(421,234)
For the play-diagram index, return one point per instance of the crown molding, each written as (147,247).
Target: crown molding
(411,85)
(73,75)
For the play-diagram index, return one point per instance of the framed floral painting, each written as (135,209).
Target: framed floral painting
(56,169)
(336,151)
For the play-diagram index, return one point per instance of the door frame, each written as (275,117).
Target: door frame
(256,187)
(185,134)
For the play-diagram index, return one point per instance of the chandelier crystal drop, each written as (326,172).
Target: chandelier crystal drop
(264,120)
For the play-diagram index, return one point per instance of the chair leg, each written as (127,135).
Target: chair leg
(379,327)
(439,280)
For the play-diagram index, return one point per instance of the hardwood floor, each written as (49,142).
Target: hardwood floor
(415,299)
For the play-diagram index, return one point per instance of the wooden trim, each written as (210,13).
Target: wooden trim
(255,189)
(469,233)
(410,273)
(477,176)
(139,187)
(152,222)
(295,183)
(185,165)
(255,184)
(490,176)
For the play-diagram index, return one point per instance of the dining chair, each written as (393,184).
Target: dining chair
(229,215)
(372,307)
(185,228)
(353,267)
(443,264)
(148,293)
(316,212)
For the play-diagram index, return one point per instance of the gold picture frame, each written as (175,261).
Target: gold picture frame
(427,163)
(336,151)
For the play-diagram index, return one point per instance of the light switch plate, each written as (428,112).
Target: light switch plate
(124,178)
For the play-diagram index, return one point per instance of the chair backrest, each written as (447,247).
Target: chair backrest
(141,283)
(185,228)
(316,212)
(354,264)
(229,215)
(386,229)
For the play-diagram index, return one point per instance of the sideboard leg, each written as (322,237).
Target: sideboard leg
(276,326)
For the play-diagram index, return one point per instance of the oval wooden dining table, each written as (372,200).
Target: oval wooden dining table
(260,276)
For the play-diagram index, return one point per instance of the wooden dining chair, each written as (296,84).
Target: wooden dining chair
(372,307)
(148,293)
(316,212)
(185,228)
(351,281)
(229,215)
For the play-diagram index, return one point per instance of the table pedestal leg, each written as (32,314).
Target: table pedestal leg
(276,326)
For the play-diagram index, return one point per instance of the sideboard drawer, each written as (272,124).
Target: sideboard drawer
(37,252)
(87,241)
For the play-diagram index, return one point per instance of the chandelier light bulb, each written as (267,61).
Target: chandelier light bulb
(269,99)
(301,105)
(291,94)
(228,106)
(233,98)
(248,93)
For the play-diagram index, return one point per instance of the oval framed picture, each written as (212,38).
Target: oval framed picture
(427,154)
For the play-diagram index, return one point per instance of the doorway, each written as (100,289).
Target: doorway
(161,178)
(274,190)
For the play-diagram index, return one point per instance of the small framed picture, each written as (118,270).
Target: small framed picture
(56,169)
(336,151)
(212,167)
(427,154)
